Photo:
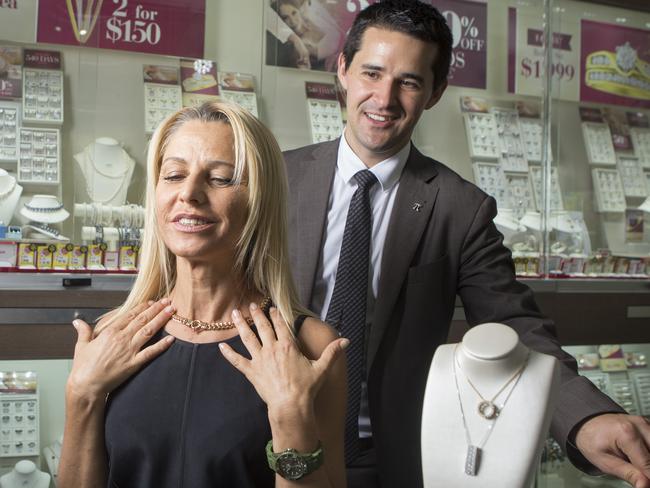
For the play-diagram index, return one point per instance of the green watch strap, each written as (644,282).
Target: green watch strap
(293,465)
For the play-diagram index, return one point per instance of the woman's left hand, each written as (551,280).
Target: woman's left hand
(282,376)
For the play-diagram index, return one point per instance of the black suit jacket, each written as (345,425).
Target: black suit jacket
(441,242)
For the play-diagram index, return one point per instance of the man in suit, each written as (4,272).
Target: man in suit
(432,238)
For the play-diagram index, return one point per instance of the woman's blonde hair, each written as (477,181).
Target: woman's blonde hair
(262,249)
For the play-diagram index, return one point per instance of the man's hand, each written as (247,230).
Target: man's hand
(617,444)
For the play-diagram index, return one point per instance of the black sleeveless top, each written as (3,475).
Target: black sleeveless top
(188,419)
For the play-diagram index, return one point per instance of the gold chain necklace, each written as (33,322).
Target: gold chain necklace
(200,325)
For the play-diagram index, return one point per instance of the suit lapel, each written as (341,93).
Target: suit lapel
(411,212)
(316,176)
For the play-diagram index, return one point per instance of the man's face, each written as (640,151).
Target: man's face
(389,84)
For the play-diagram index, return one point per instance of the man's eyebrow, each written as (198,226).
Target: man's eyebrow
(405,75)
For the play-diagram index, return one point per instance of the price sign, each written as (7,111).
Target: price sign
(152,26)
(526,56)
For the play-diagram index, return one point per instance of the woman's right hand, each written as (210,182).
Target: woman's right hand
(103,362)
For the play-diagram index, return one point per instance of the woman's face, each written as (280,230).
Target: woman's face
(200,213)
(292,17)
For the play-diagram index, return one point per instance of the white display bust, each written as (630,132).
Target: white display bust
(25,475)
(10,192)
(104,173)
(489,355)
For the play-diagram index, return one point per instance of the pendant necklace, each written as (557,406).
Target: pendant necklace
(93,168)
(490,411)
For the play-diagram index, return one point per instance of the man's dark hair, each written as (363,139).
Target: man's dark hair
(411,17)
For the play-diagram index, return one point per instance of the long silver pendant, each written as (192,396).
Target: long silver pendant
(472,460)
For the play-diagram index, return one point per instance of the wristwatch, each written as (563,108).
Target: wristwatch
(291,464)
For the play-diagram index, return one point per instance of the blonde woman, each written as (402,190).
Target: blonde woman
(185,383)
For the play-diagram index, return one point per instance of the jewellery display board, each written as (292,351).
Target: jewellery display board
(240,89)
(325,119)
(531,131)
(598,143)
(634,183)
(482,135)
(519,192)
(609,190)
(159,102)
(622,392)
(642,386)
(513,155)
(19,425)
(9,126)
(43,96)
(641,142)
(556,194)
(40,156)
(490,178)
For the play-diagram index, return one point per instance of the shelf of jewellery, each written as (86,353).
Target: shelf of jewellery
(129,215)
(536,175)
(482,135)
(598,143)
(19,425)
(39,156)
(159,102)
(10,122)
(641,143)
(43,96)
(608,188)
(632,177)
(513,153)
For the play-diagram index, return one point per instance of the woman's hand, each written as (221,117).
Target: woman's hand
(282,376)
(103,362)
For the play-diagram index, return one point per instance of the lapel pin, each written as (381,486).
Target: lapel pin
(417,207)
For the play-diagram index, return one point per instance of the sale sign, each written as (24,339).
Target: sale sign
(526,56)
(615,65)
(468,23)
(151,26)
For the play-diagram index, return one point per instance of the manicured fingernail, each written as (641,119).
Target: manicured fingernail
(165,301)
(169,338)
(236,313)
(169,309)
(150,302)
(75,323)
(253,306)
(222,346)
(345,343)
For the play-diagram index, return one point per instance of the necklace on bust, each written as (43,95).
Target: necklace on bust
(474,451)
(5,192)
(92,167)
(200,325)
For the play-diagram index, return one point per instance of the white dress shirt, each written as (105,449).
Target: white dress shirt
(382,197)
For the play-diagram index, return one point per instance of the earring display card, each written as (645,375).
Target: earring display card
(43,96)
(609,190)
(598,143)
(325,119)
(159,102)
(513,154)
(240,89)
(622,392)
(482,135)
(19,425)
(641,143)
(531,132)
(519,192)
(642,385)
(9,124)
(556,194)
(634,182)
(490,178)
(39,156)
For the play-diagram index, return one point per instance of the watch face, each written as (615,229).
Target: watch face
(291,466)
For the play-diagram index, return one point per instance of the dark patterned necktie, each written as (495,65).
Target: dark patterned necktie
(347,309)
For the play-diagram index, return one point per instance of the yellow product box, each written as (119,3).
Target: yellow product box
(45,256)
(128,258)
(26,255)
(62,256)
(78,257)
(96,256)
